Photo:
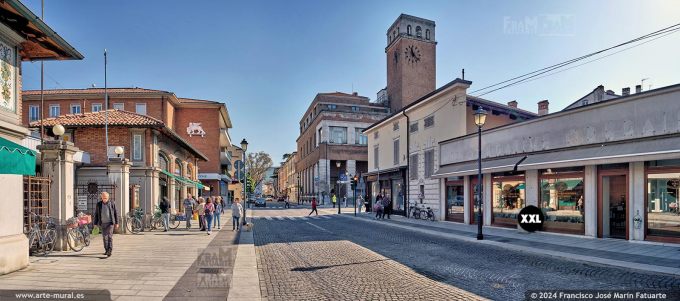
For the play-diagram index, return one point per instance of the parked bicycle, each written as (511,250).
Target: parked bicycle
(41,241)
(134,219)
(422,212)
(78,232)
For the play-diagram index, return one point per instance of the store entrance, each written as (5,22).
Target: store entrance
(455,207)
(613,205)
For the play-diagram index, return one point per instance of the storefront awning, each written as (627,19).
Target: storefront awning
(470,168)
(183,180)
(16,159)
(645,150)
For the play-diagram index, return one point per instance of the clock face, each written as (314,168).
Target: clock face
(412,54)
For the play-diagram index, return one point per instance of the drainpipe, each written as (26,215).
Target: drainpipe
(408,163)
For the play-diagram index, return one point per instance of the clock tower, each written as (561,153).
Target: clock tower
(411,57)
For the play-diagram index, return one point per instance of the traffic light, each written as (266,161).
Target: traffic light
(249,184)
(355,181)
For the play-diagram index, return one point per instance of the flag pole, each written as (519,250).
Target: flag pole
(106,104)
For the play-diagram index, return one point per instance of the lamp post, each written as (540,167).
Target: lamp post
(480,119)
(119,151)
(244,147)
(338,164)
(356,183)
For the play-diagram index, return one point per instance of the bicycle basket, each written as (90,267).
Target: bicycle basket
(72,223)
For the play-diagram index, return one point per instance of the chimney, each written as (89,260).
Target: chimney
(512,103)
(543,107)
(638,89)
(355,93)
(625,91)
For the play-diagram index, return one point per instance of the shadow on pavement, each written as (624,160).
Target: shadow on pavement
(308,269)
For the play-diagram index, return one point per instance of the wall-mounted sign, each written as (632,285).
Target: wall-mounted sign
(195,129)
(81,204)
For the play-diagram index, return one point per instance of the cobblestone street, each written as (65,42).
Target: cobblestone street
(333,257)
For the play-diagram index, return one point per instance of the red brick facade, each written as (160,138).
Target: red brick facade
(210,143)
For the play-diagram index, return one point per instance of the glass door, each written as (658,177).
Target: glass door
(454,202)
(613,203)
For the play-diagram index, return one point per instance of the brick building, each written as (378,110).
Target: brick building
(288,178)
(202,124)
(331,134)
(163,163)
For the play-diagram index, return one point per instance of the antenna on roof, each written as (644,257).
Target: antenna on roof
(463,73)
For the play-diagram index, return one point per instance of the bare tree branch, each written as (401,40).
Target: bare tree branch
(257,165)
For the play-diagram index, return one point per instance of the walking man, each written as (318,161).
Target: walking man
(313,207)
(107,218)
(236,210)
(201,213)
(286,202)
(165,213)
(189,205)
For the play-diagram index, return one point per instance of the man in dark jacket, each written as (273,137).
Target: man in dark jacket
(107,218)
(165,213)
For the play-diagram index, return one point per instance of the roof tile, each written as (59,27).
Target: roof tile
(115,117)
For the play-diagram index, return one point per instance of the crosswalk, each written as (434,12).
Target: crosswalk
(294,218)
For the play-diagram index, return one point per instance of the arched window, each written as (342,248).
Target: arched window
(408,30)
(178,167)
(427,34)
(419,32)
(163,161)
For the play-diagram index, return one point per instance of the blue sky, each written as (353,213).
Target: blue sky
(267,59)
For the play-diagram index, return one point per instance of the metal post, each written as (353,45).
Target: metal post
(106,104)
(480,236)
(245,192)
(356,183)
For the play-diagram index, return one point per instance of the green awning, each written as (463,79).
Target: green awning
(16,159)
(183,180)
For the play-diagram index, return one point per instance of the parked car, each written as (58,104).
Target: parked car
(269,199)
(260,202)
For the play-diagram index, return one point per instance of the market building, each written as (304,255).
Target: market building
(162,163)
(332,142)
(203,124)
(23,37)
(609,168)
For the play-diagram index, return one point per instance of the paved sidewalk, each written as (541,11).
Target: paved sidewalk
(245,281)
(652,257)
(148,266)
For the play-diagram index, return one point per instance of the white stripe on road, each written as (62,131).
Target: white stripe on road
(280,218)
(320,228)
(268,218)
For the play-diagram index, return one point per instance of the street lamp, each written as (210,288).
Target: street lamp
(244,147)
(58,130)
(338,164)
(356,183)
(480,119)
(119,151)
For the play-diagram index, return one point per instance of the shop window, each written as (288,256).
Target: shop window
(508,197)
(663,202)
(562,201)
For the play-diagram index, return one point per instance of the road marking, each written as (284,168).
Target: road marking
(280,218)
(268,218)
(320,228)
(324,216)
(296,217)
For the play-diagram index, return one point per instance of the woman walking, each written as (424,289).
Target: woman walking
(378,207)
(201,213)
(236,210)
(313,207)
(219,209)
(209,209)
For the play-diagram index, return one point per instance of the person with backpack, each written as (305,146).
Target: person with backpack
(313,207)
(165,213)
(209,209)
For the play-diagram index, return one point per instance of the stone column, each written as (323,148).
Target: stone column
(486,197)
(351,170)
(636,199)
(119,174)
(442,200)
(532,187)
(58,164)
(590,200)
(467,196)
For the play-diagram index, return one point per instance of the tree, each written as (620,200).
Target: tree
(257,165)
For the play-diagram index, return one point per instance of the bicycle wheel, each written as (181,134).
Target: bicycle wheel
(157,224)
(76,240)
(136,226)
(50,239)
(423,215)
(32,243)
(174,223)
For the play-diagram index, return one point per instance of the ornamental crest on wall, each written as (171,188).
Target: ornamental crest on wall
(7,97)
(195,129)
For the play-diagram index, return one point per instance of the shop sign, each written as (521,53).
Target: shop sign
(81,203)
(530,218)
